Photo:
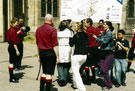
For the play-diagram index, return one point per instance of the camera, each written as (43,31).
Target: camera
(25,29)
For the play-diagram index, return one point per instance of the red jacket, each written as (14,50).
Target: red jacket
(90,31)
(12,36)
(46,37)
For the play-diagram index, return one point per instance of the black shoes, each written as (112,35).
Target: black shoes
(123,84)
(62,82)
(13,80)
(117,85)
(105,88)
(73,86)
(87,82)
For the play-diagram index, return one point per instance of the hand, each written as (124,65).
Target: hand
(118,43)
(17,53)
(88,54)
(94,36)
(57,61)
(23,28)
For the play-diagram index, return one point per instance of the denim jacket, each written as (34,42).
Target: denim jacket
(107,39)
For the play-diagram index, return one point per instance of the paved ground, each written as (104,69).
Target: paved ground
(30,64)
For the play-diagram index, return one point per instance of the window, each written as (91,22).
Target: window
(18,8)
(131,9)
(49,6)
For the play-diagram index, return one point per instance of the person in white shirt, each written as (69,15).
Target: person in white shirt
(64,53)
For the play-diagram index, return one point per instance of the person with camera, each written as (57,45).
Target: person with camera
(22,32)
(120,58)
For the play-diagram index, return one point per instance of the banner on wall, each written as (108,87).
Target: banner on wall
(110,10)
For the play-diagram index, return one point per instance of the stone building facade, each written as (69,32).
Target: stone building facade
(35,10)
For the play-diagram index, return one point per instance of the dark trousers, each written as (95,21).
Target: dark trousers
(19,58)
(105,65)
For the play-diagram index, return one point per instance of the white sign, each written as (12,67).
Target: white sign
(77,10)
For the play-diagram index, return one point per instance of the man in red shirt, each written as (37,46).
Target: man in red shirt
(46,39)
(92,59)
(100,26)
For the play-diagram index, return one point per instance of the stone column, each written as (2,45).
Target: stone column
(124,12)
(33,14)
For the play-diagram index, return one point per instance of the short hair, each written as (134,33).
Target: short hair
(101,20)
(48,17)
(121,31)
(89,20)
(14,20)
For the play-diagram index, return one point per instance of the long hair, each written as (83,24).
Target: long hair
(90,21)
(110,25)
(62,25)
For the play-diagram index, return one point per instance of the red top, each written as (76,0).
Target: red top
(46,37)
(12,36)
(100,29)
(90,31)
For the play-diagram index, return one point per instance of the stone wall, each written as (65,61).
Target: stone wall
(34,19)
(1,20)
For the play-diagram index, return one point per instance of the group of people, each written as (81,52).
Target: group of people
(78,46)
(81,46)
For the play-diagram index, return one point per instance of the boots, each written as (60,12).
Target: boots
(87,82)
(93,74)
(129,64)
(11,75)
(48,84)
(42,83)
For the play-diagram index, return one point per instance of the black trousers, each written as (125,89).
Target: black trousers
(48,61)
(12,54)
(19,58)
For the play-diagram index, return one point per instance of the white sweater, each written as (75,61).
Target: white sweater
(65,50)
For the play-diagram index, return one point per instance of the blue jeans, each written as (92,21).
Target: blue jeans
(63,71)
(120,70)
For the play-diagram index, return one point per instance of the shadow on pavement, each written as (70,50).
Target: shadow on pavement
(26,66)
(54,89)
(19,75)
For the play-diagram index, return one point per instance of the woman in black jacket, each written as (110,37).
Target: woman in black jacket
(81,42)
